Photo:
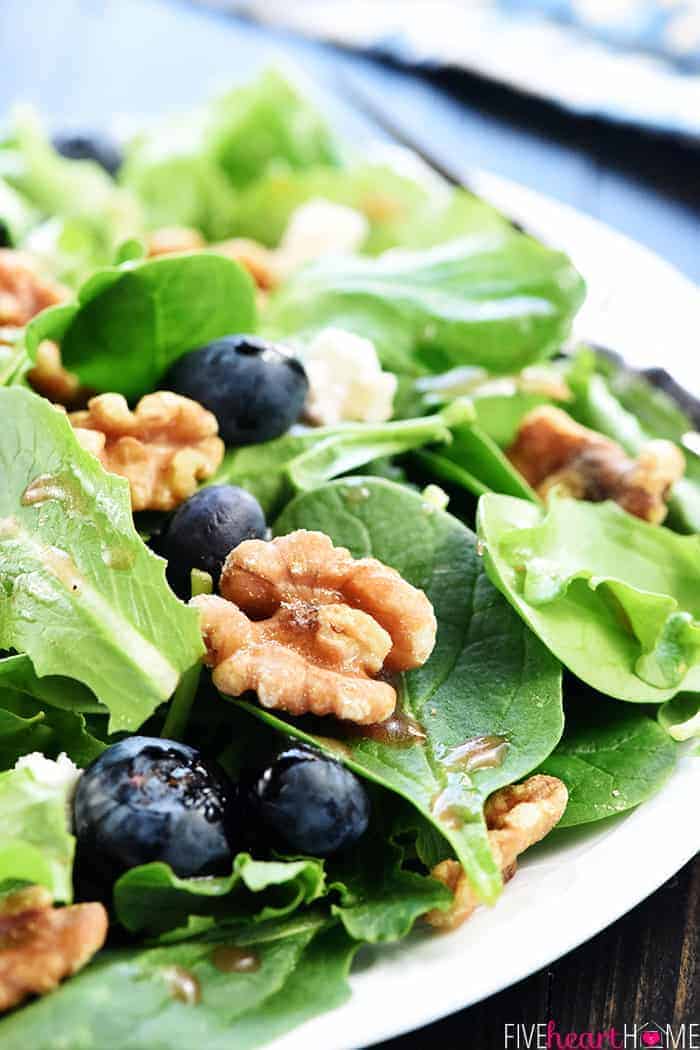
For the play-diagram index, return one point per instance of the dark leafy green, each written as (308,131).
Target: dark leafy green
(611,758)
(130,322)
(26,726)
(298,462)
(487,674)
(75,571)
(496,298)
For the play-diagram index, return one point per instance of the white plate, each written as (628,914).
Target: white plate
(567,890)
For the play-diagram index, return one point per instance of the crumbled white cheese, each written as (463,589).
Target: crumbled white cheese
(58,773)
(319,228)
(346,381)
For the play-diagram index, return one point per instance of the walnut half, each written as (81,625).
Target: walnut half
(517,817)
(164,447)
(309,628)
(24,291)
(551,449)
(40,944)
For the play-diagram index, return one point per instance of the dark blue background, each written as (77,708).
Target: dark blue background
(82,61)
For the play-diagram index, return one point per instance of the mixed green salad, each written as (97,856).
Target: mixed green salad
(230,353)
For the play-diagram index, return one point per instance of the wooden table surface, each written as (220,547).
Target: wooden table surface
(81,61)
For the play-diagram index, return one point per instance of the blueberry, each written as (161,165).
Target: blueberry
(309,803)
(90,147)
(204,529)
(147,799)
(255,390)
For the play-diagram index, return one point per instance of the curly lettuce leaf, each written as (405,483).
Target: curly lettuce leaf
(680,717)
(611,758)
(268,124)
(615,599)
(487,675)
(152,898)
(35,841)
(495,298)
(81,594)
(130,322)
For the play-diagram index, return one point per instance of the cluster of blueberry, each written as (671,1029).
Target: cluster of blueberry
(150,799)
(256,392)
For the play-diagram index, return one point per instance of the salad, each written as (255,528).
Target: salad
(332,576)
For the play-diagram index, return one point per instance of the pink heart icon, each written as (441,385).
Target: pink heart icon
(651,1038)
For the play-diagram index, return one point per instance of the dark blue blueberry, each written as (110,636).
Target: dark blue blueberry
(309,803)
(204,529)
(255,390)
(90,147)
(147,799)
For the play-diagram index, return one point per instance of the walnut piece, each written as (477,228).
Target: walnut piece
(517,817)
(40,944)
(552,449)
(308,628)
(170,240)
(24,291)
(164,447)
(50,379)
(258,260)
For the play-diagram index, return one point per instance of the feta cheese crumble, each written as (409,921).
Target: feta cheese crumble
(346,381)
(319,228)
(56,773)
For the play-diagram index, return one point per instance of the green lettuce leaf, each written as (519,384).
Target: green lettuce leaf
(488,676)
(75,571)
(152,898)
(35,842)
(401,210)
(611,758)
(680,717)
(274,471)
(496,298)
(590,578)
(267,125)
(168,998)
(129,323)
(17,216)
(474,461)
(177,182)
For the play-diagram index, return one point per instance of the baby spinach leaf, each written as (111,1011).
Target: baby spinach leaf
(497,299)
(487,676)
(681,716)
(276,470)
(590,578)
(475,462)
(172,997)
(380,899)
(611,758)
(152,898)
(74,570)
(35,842)
(130,322)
